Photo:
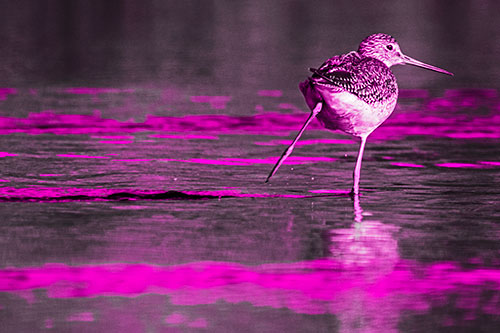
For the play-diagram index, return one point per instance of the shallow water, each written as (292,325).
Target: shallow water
(166,222)
(134,150)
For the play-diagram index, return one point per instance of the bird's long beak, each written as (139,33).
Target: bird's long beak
(410,61)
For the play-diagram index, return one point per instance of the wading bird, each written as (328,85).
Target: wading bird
(355,92)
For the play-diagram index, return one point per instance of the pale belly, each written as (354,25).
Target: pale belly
(345,111)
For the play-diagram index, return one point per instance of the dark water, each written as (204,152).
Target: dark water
(133,161)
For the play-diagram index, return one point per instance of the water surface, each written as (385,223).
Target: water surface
(133,160)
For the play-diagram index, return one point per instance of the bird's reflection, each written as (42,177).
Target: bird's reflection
(367,245)
(367,251)
(358,211)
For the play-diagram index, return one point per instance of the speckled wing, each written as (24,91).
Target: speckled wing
(367,78)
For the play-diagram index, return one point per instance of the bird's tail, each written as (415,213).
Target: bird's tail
(311,96)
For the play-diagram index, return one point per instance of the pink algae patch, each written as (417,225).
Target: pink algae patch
(407,165)
(5,154)
(216,102)
(270,93)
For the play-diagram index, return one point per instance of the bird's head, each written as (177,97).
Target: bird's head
(386,49)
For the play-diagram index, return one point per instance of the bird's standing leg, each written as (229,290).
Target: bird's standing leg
(357,168)
(289,150)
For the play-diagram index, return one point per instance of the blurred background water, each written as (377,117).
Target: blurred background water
(136,136)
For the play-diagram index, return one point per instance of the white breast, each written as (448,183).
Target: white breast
(346,112)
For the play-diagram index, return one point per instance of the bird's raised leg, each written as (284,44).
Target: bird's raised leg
(357,168)
(289,150)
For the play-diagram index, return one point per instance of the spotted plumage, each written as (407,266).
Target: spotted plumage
(367,78)
(355,92)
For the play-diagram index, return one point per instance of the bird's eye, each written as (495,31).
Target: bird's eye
(389,47)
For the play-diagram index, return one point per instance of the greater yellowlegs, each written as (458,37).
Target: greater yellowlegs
(355,92)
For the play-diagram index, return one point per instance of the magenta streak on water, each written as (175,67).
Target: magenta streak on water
(461,165)
(185,136)
(472,135)
(493,163)
(81,156)
(398,126)
(333,191)
(5,154)
(96,91)
(270,93)
(116,142)
(4,92)
(310,287)
(112,137)
(38,192)
(305,142)
(216,102)
(50,174)
(98,194)
(251,161)
(132,159)
(407,165)
(238,194)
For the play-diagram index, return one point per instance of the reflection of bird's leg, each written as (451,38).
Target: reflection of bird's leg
(357,168)
(358,211)
(289,150)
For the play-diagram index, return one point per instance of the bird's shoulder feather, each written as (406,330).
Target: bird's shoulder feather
(367,78)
